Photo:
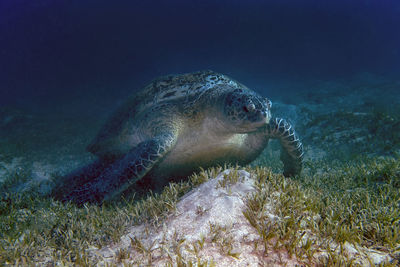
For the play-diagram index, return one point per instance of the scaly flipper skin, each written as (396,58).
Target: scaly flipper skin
(292,148)
(119,175)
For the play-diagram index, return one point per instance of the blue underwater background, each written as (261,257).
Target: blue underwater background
(77,56)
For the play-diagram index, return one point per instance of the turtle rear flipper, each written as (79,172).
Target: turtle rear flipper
(79,177)
(124,172)
(292,148)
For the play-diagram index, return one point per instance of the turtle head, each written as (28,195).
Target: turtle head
(246,111)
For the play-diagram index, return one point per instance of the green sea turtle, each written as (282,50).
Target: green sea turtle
(174,126)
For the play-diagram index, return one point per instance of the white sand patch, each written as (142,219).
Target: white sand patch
(209,227)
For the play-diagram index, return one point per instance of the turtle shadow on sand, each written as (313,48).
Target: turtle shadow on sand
(171,128)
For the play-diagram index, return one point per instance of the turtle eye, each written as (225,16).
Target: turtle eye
(249,107)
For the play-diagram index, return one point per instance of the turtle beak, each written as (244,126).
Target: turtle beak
(264,116)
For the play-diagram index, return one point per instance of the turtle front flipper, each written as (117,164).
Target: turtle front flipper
(292,148)
(124,172)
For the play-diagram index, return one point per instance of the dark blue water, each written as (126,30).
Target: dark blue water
(81,54)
